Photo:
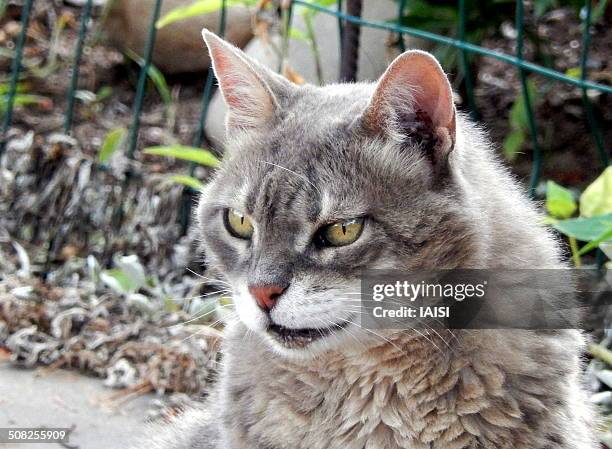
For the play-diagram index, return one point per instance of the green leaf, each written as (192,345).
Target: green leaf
(192,154)
(23,100)
(560,201)
(519,122)
(426,11)
(154,75)
(297,34)
(133,269)
(597,197)
(518,112)
(103,93)
(513,143)
(542,6)
(585,229)
(118,281)
(112,142)
(574,72)
(606,236)
(160,83)
(21,87)
(188,181)
(322,3)
(599,10)
(197,8)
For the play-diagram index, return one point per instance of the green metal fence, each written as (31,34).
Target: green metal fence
(466,49)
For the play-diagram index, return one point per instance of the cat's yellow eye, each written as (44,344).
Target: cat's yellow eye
(342,233)
(238,224)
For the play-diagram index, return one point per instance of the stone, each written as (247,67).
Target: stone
(178,47)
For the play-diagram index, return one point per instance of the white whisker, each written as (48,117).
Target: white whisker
(291,171)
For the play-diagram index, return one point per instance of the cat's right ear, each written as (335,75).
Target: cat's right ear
(250,101)
(413,100)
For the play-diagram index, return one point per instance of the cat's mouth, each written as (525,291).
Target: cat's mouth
(300,338)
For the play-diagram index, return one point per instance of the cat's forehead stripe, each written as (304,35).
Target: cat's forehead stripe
(277,190)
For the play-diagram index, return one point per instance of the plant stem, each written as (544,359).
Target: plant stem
(286,18)
(575,256)
(601,353)
(314,46)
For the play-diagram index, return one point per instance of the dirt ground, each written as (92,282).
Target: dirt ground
(570,156)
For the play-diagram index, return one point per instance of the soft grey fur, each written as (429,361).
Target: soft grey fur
(312,161)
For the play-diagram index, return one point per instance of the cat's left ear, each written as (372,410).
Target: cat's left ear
(414,100)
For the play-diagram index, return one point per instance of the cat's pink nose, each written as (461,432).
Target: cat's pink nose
(266,296)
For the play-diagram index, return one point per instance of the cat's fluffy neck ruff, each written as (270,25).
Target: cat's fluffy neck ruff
(411,391)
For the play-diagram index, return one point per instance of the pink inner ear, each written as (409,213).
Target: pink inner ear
(418,74)
(223,68)
(432,90)
(249,100)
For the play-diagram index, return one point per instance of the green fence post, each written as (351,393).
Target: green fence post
(208,85)
(15,71)
(537,153)
(287,17)
(142,80)
(140,91)
(588,107)
(199,135)
(78,53)
(465,63)
(400,15)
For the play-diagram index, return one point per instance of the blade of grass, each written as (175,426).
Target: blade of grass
(186,153)
(21,88)
(24,100)
(197,8)
(112,142)
(595,243)
(154,75)
(188,181)
(603,354)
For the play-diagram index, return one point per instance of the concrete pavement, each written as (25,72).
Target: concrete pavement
(36,398)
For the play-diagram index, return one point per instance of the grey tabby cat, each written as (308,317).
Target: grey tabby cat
(319,183)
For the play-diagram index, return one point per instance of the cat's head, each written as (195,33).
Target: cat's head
(320,183)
